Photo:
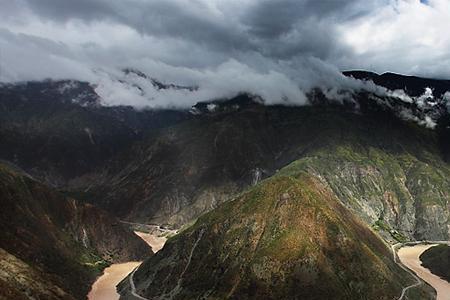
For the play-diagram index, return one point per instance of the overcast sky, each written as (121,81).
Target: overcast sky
(223,46)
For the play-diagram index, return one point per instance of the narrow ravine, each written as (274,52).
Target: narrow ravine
(409,256)
(104,288)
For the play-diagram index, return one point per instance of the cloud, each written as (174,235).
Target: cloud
(276,49)
(407,36)
(225,81)
(25,57)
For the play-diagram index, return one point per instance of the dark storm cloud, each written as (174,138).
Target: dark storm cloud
(172,19)
(281,29)
(272,19)
(195,23)
(65,9)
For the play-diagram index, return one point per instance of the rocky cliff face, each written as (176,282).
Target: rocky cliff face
(404,195)
(60,243)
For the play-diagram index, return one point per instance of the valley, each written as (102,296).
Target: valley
(104,288)
(54,246)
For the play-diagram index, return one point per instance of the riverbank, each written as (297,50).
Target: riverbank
(154,240)
(104,288)
(409,256)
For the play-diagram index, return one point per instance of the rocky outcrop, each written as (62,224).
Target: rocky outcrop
(405,195)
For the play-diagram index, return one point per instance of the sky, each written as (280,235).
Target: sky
(278,49)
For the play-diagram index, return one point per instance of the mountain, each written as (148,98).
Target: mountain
(181,164)
(156,83)
(377,164)
(280,197)
(58,130)
(288,237)
(52,246)
(432,98)
(352,175)
(412,85)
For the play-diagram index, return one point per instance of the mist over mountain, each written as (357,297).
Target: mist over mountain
(278,51)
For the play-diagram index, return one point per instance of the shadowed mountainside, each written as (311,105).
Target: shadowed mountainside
(59,131)
(53,247)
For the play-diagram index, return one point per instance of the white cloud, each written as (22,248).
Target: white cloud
(224,81)
(406,36)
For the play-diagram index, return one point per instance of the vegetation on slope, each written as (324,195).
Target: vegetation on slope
(286,238)
(401,192)
(388,171)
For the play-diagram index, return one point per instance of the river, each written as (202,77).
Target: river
(409,256)
(104,288)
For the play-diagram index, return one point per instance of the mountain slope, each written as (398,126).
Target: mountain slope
(412,85)
(190,168)
(349,171)
(286,238)
(406,196)
(60,244)
(20,281)
(168,166)
(59,131)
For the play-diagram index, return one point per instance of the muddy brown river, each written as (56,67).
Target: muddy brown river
(104,288)
(409,256)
